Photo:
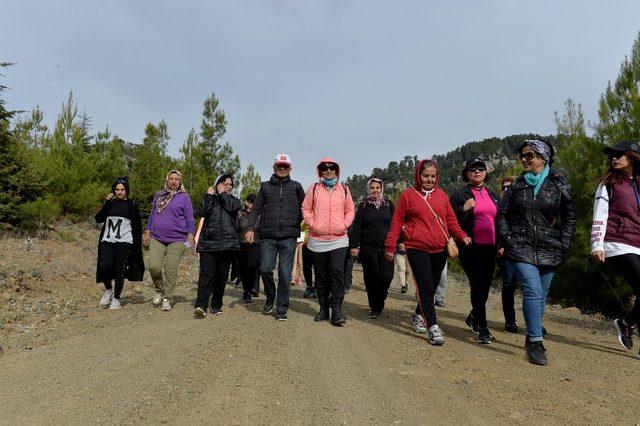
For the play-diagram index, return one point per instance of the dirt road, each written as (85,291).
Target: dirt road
(142,365)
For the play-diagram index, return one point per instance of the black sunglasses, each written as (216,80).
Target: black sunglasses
(527,155)
(477,169)
(282,167)
(617,155)
(327,167)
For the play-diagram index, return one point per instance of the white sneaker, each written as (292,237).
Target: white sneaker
(166,305)
(199,313)
(418,323)
(115,304)
(435,335)
(157,299)
(105,300)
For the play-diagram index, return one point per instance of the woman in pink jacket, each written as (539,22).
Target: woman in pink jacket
(328,210)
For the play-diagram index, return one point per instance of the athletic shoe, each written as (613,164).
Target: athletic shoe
(105,300)
(166,305)
(544,331)
(435,335)
(308,292)
(254,293)
(267,309)
(484,336)
(247,299)
(418,323)
(216,311)
(237,283)
(115,304)
(624,333)
(157,299)
(472,323)
(511,328)
(199,313)
(374,314)
(440,303)
(536,352)
(404,288)
(282,316)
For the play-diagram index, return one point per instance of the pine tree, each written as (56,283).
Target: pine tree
(250,181)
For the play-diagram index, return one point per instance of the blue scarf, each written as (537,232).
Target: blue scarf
(536,180)
(330,183)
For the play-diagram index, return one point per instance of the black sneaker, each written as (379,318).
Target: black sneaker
(216,311)
(308,292)
(536,353)
(282,316)
(374,314)
(267,309)
(440,303)
(254,293)
(484,336)
(472,323)
(624,333)
(544,331)
(404,289)
(511,328)
(247,299)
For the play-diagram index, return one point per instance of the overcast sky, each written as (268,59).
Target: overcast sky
(365,82)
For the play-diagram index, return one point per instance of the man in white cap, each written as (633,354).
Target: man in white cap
(278,207)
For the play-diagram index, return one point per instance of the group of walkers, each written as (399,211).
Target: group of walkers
(527,230)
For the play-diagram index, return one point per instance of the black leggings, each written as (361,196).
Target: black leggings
(307,265)
(248,265)
(329,267)
(479,263)
(113,260)
(214,270)
(628,265)
(378,273)
(427,269)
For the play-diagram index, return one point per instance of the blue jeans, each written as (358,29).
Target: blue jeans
(535,282)
(270,250)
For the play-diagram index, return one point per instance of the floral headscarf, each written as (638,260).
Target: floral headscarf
(377,202)
(165,198)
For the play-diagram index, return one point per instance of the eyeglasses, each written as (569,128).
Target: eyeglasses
(327,167)
(617,155)
(477,169)
(527,155)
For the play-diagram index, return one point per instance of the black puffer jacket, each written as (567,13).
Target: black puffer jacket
(219,230)
(537,231)
(466,219)
(278,207)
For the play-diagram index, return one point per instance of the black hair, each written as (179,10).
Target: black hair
(224,177)
(251,198)
(465,178)
(121,180)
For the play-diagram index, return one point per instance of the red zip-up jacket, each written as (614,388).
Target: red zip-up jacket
(421,230)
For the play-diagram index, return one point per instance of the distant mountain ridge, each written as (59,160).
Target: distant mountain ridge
(498,153)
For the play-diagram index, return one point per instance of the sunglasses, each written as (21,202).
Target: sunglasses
(617,155)
(527,155)
(327,167)
(477,169)
(282,167)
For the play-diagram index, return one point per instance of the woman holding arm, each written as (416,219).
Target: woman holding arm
(428,219)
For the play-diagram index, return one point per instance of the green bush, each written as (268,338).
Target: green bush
(38,214)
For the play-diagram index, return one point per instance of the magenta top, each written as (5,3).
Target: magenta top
(484,214)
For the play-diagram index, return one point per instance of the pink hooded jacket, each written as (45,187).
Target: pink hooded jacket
(328,213)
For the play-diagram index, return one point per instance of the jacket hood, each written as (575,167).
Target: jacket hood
(416,175)
(328,160)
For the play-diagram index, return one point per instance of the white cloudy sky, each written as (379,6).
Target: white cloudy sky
(363,81)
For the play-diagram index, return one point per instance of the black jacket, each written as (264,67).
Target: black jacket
(134,269)
(466,219)
(278,207)
(537,231)
(371,225)
(219,230)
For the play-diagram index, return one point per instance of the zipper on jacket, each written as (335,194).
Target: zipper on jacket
(535,230)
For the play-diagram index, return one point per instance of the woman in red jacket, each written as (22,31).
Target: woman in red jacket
(425,241)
